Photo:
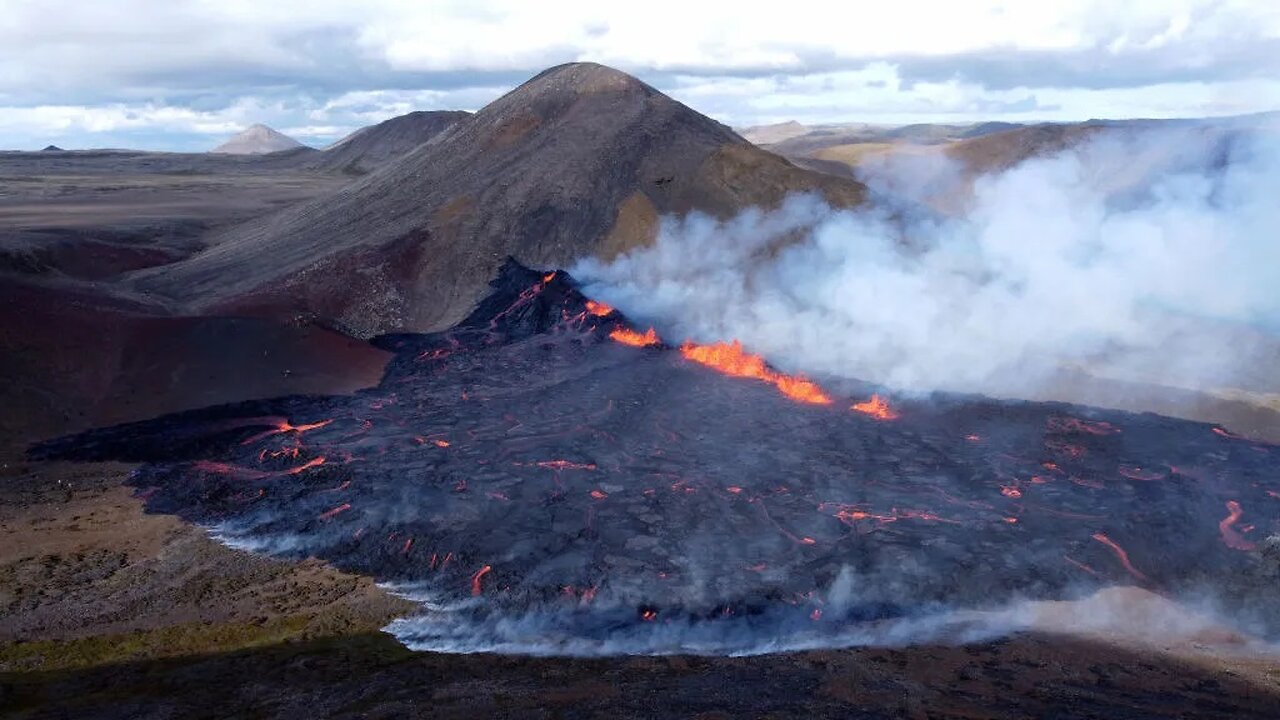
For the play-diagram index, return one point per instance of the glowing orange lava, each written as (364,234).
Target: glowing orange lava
(1081,565)
(1121,554)
(631,337)
(730,359)
(598,309)
(877,408)
(314,462)
(336,511)
(282,452)
(1230,535)
(282,425)
(245,473)
(475,580)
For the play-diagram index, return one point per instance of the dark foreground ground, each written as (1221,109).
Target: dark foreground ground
(139,616)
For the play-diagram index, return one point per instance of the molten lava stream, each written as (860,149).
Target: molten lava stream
(598,309)
(244,473)
(1121,555)
(1230,536)
(877,408)
(730,359)
(630,337)
(476,590)
(284,426)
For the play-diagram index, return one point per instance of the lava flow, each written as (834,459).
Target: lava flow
(879,409)
(1230,535)
(627,336)
(522,452)
(730,359)
(598,309)
(1121,555)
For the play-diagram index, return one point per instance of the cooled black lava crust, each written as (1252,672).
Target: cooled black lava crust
(523,462)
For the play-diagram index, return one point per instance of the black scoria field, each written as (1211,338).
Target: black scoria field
(543,488)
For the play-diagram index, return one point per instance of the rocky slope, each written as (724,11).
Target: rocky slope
(372,146)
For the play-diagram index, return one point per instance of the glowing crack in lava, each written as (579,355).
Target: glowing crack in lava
(730,359)
(878,408)
(1121,555)
(476,588)
(522,452)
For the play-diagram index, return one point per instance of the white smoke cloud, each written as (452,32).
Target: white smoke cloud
(1119,254)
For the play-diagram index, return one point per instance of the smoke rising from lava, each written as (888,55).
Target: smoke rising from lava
(1128,254)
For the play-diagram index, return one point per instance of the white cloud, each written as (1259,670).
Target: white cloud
(917,59)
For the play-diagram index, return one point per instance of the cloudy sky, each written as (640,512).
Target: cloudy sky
(184,74)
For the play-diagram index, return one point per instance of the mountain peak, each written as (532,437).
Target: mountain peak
(257,139)
(580,161)
(587,78)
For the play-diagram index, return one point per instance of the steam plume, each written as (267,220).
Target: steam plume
(1125,254)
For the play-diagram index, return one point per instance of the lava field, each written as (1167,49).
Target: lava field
(547,478)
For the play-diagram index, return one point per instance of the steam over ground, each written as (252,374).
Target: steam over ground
(1130,254)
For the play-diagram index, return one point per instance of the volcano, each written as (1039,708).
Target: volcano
(545,477)
(579,161)
(257,139)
